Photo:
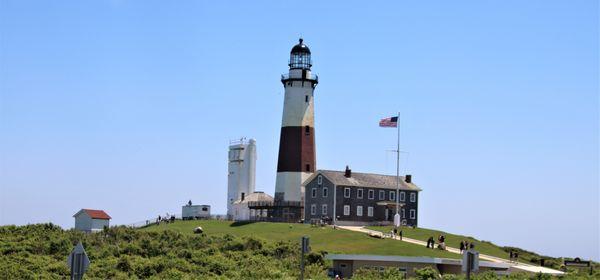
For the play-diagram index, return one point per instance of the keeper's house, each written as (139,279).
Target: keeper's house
(359,198)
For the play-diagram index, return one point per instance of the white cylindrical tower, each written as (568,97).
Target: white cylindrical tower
(297,159)
(241,179)
(251,166)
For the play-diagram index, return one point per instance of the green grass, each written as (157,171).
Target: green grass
(321,239)
(452,240)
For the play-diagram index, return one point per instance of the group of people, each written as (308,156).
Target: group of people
(465,245)
(167,219)
(395,232)
(441,242)
(514,256)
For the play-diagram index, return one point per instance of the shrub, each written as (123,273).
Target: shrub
(426,273)
(124,264)
(390,273)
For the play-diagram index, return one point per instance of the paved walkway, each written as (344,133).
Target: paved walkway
(517,265)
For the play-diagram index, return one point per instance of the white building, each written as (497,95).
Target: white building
(240,209)
(89,220)
(241,179)
(191,212)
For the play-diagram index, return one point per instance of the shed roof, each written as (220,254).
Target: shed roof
(365,180)
(255,196)
(407,259)
(94,214)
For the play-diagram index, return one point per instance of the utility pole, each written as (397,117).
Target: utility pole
(304,248)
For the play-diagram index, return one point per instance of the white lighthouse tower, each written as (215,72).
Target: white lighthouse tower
(241,180)
(296,160)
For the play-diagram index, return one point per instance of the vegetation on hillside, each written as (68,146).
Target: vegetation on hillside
(40,251)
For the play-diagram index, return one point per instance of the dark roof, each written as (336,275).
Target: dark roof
(300,47)
(95,214)
(366,180)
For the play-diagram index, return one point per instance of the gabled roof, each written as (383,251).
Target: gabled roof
(364,180)
(94,214)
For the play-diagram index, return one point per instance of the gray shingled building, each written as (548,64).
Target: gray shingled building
(359,198)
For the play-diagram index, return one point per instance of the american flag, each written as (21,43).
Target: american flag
(389,122)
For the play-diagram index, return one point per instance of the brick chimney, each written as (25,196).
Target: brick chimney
(408,178)
(348,172)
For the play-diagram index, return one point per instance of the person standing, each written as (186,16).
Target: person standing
(400,234)
(462,246)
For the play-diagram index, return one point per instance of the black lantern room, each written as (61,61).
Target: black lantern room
(300,56)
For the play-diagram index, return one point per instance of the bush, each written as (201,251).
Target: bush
(426,273)
(390,273)
(124,264)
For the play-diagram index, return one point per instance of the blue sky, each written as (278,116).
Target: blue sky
(129,106)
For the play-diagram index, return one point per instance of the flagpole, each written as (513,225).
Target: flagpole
(398,167)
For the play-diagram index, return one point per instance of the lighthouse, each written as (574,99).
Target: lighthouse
(297,159)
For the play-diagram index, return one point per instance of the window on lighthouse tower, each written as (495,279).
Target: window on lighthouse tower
(307,130)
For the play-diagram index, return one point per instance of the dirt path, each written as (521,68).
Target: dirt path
(518,265)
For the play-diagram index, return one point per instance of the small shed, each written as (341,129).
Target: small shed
(191,212)
(90,220)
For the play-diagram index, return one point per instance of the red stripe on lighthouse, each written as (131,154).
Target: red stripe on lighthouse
(296,149)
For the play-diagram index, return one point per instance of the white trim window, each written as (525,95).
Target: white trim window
(381,195)
(402,196)
(359,211)
(313,192)
(371,194)
(320,180)
(403,213)
(313,209)
(347,192)
(413,213)
(325,191)
(392,195)
(346,210)
(324,209)
(413,197)
(359,193)
(370,211)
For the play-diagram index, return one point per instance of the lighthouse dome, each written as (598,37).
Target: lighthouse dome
(300,56)
(300,47)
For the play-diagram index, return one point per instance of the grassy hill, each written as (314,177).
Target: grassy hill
(484,247)
(321,238)
(452,240)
